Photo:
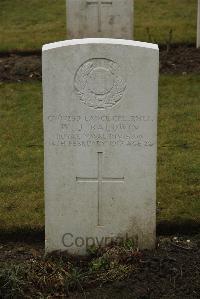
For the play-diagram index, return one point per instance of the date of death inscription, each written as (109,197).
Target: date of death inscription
(94,130)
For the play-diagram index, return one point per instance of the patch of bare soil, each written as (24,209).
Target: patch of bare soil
(19,252)
(170,271)
(27,66)
(180,60)
(16,68)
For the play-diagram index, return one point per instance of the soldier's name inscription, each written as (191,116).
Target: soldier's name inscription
(92,130)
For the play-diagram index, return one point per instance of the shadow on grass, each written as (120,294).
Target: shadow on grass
(28,235)
(164,228)
(183,227)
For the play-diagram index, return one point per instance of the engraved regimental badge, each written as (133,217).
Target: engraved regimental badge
(99,84)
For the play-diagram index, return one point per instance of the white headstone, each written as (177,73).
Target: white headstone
(100,134)
(99,18)
(198,25)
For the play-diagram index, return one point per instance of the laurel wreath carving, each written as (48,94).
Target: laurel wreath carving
(106,99)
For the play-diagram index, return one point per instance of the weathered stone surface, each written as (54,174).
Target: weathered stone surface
(100,134)
(98,18)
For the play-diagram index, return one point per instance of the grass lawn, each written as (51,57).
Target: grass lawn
(21,151)
(178,189)
(161,16)
(28,24)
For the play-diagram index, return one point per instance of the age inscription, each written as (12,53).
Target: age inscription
(95,130)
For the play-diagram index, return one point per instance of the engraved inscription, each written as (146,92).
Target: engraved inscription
(99,130)
(98,83)
(100,179)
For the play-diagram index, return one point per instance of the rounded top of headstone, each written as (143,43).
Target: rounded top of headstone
(107,41)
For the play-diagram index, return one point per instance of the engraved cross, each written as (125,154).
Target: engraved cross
(99,3)
(100,179)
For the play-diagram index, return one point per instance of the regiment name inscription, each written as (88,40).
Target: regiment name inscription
(87,131)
